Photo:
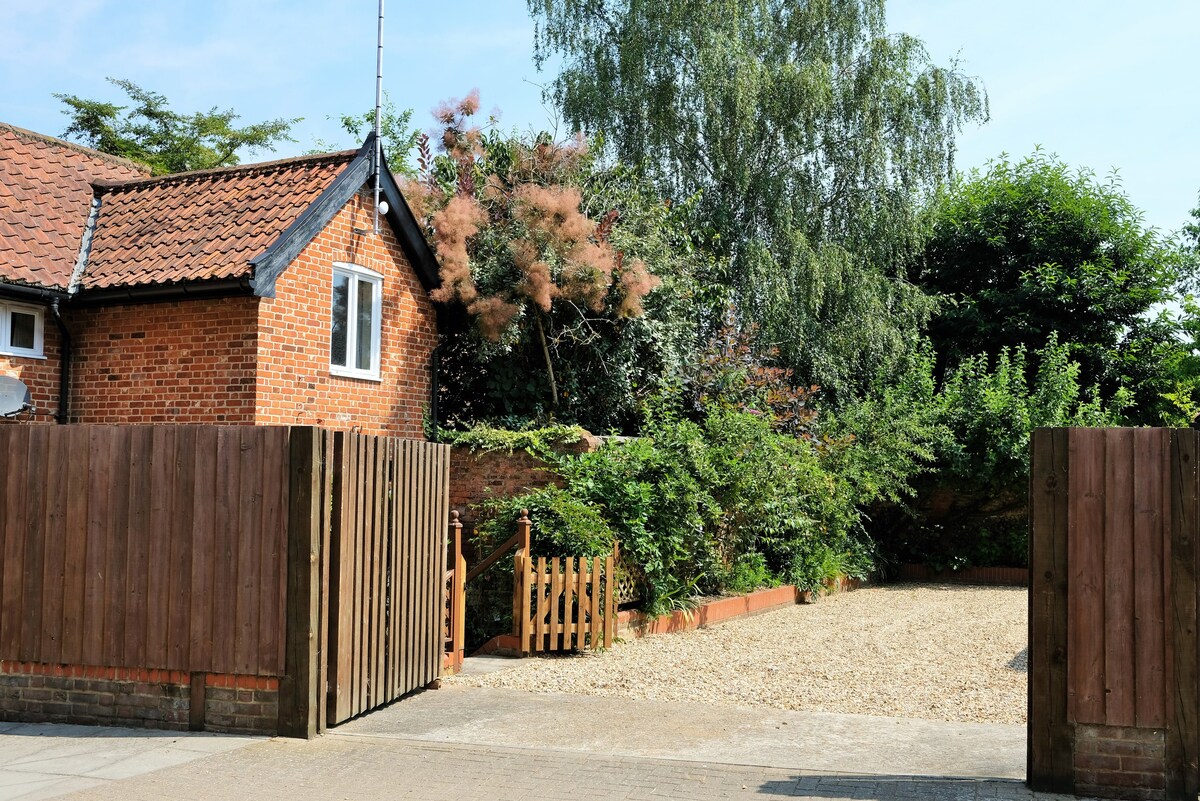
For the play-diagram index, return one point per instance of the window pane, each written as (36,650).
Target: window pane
(366,324)
(21,330)
(341,305)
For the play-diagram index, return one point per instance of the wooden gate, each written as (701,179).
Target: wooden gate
(567,607)
(388,507)
(1114,665)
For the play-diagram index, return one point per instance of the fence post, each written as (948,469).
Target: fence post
(521,583)
(298,691)
(458,590)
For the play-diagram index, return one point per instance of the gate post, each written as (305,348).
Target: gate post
(298,691)
(521,584)
(1051,738)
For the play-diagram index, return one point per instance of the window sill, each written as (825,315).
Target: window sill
(23,354)
(361,375)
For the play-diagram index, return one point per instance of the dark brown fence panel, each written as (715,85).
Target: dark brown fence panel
(1113,612)
(387,563)
(156,547)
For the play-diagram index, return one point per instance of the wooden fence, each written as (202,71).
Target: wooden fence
(312,556)
(566,606)
(387,563)
(1113,671)
(156,547)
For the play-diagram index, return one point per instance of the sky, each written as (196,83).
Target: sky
(1102,86)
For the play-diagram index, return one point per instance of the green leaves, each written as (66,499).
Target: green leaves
(150,133)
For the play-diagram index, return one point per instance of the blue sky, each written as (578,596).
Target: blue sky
(1100,84)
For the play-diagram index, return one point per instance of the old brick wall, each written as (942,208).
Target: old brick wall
(1120,762)
(154,699)
(477,475)
(191,361)
(295,386)
(40,375)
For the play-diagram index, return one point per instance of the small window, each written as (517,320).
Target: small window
(20,330)
(356,316)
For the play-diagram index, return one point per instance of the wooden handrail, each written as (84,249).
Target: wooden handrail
(491,558)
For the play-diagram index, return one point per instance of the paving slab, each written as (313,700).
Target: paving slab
(46,760)
(814,741)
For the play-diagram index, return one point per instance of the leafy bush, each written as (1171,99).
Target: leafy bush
(561,523)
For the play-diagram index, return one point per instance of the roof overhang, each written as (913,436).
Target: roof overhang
(271,263)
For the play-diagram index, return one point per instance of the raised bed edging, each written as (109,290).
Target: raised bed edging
(998,576)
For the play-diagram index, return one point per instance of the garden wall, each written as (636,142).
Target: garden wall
(476,475)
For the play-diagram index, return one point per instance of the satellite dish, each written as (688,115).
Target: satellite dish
(14,397)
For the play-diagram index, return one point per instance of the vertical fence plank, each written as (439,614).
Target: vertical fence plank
(137,539)
(596,630)
(1051,736)
(75,571)
(341,563)
(395,468)
(610,601)
(1118,578)
(539,585)
(54,584)
(158,550)
(327,651)
(17,452)
(405,612)
(183,503)
(1149,600)
(437,529)
(115,586)
(225,553)
(1183,729)
(204,549)
(272,548)
(32,529)
(298,691)
(1086,680)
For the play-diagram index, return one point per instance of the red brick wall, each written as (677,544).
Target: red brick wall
(154,699)
(1120,762)
(295,386)
(189,361)
(478,475)
(40,375)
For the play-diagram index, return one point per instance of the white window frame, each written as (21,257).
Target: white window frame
(6,347)
(356,273)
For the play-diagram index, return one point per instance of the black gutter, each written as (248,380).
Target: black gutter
(23,292)
(155,292)
(64,365)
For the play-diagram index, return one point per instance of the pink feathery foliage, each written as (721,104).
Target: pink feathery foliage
(494,314)
(636,283)
(457,222)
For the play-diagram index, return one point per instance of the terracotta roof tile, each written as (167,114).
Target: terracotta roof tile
(45,198)
(202,225)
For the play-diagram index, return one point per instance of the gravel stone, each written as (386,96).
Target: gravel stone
(937,652)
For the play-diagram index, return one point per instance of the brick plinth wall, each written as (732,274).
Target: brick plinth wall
(1120,762)
(154,699)
(477,475)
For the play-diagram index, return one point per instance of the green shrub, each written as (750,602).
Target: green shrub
(560,523)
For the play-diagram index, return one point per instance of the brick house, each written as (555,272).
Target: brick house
(256,294)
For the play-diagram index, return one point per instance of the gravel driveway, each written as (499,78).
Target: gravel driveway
(937,652)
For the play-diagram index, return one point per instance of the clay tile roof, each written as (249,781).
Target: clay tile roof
(45,199)
(201,225)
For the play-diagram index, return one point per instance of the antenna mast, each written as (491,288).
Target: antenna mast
(378,113)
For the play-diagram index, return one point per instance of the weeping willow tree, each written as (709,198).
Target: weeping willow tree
(812,135)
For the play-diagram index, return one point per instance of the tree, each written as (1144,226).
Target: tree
(812,135)
(165,141)
(1030,250)
(396,132)
(577,282)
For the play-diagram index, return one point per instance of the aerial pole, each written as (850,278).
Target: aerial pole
(378,112)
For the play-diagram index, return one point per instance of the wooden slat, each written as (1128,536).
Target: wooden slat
(1149,600)
(1183,727)
(225,557)
(75,571)
(437,530)
(16,452)
(380,693)
(540,584)
(1051,736)
(327,652)
(405,610)
(137,548)
(115,586)
(272,561)
(1085,670)
(183,503)
(55,589)
(1118,579)
(158,585)
(340,604)
(205,549)
(33,528)
(248,550)
(556,592)
(357,468)
(610,601)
